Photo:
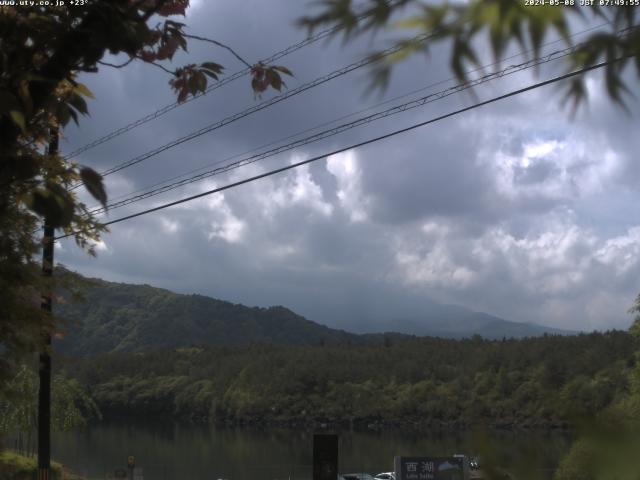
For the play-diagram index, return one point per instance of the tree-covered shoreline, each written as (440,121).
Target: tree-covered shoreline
(545,382)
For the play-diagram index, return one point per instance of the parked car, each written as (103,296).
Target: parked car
(355,476)
(386,476)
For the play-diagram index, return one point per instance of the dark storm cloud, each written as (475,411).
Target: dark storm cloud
(540,172)
(432,174)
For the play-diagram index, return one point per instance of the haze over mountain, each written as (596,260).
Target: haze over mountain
(125,317)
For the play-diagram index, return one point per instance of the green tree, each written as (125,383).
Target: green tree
(18,408)
(43,49)
(635,326)
(71,407)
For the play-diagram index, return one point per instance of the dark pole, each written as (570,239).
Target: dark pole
(44,393)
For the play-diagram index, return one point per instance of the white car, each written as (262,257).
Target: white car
(386,476)
(355,476)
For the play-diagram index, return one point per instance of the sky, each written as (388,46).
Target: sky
(518,209)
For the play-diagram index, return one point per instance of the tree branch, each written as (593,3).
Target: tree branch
(170,72)
(222,45)
(107,64)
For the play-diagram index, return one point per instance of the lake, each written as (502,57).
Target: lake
(176,452)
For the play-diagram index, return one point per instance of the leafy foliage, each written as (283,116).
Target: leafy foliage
(14,466)
(611,438)
(266,76)
(70,406)
(43,49)
(501,23)
(635,327)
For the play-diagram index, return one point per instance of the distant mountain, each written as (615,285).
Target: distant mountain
(125,317)
(457,322)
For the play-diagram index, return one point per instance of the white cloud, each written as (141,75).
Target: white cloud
(428,260)
(558,171)
(301,189)
(346,169)
(169,225)
(229,229)
(568,271)
(622,253)
(194,6)
(540,149)
(548,263)
(100,247)
(294,189)
(220,220)
(434,269)
(211,214)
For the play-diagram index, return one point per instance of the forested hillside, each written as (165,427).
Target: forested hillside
(124,317)
(545,381)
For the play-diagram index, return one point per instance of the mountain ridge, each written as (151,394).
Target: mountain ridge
(126,317)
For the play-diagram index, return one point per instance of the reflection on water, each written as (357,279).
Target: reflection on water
(173,452)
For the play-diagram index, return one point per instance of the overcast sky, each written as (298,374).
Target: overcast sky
(513,209)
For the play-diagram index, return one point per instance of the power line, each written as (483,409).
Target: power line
(116,202)
(357,145)
(240,73)
(342,128)
(261,106)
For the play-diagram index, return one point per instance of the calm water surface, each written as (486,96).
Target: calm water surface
(176,452)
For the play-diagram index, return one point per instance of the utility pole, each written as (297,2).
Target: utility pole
(44,393)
